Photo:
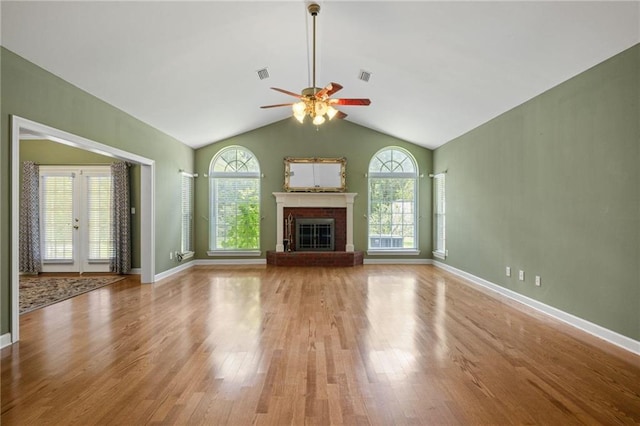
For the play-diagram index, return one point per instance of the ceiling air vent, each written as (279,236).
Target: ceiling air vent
(263,73)
(364,75)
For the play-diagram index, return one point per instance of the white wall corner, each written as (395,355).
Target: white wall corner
(596,330)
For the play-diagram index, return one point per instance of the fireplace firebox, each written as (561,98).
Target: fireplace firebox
(315,234)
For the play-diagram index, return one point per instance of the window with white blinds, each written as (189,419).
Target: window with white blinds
(439,212)
(56,217)
(234,176)
(99,199)
(186,202)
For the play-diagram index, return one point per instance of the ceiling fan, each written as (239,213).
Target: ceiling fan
(314,101)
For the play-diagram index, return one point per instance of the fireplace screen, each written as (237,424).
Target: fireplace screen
(315,234)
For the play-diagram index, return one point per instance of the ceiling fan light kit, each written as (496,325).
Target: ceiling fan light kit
(315,102)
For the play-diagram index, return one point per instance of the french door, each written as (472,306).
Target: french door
(75,218)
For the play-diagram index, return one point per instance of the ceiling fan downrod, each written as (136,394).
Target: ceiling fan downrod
(314,9)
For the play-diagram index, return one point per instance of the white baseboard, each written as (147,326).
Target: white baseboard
(185,266)
(135,271)
(401,261)
(5,340)
(230,261)
(173,271)
(596,330)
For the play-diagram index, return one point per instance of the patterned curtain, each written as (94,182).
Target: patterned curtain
(121,219)
(30,260)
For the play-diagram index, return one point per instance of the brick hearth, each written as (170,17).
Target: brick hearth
(315,258)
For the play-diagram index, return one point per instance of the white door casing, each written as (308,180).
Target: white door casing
(147,186)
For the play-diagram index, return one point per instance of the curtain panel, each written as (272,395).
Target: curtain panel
(30,257)
(121,219)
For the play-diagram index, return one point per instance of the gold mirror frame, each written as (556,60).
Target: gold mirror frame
(315,174)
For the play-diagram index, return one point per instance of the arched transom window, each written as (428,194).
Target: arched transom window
(393,216)
(234,184)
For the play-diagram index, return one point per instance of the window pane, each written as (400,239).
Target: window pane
(392,161)
(99,209)
(237,213)
(392,213)
(235,160)
(57,217)
(439,212)
(187,213)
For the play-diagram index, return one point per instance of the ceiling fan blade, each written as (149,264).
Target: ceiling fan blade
(328,90)
(340,115)
(274,106)
(334,88)
(350,102)
(286,92)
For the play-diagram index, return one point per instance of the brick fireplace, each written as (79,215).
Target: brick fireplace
(317,205)
(339,215)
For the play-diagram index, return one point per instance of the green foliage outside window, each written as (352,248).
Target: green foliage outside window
(243,227)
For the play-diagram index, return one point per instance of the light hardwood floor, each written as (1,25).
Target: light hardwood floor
(372,344)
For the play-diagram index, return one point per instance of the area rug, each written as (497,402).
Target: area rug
(38,292)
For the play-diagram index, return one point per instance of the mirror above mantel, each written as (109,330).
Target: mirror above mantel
(315,174)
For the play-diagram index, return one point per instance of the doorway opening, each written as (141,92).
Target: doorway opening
(22,126)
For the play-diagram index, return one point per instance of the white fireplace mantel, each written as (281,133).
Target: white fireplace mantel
(313,199)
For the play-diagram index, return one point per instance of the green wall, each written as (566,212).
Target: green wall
(53,153)
(288,138)
(31,92)
(552,188)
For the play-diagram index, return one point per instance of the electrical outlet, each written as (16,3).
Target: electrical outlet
(170,255)
(521,275)
(538,281)
(508,271)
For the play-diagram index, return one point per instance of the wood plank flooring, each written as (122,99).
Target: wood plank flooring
(379,345)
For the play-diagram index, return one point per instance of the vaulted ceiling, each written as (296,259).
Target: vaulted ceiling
(438,69)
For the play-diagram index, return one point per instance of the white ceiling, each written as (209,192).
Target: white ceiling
(439,69)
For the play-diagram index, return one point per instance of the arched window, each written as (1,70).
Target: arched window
(393,182)
(234,184)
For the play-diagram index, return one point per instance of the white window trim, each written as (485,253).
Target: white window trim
(443,253)
(238,253)
(189,253)
(405,175)
(398,252)
(212,219)
(440,254)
